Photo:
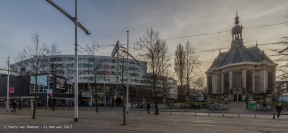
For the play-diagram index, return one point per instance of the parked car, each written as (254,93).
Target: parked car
(139,105)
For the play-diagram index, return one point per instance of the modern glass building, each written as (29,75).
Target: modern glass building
(106,71)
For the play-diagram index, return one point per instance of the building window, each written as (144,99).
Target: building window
(226,82)
(270,81)
(32,88)
(237,80)
(209,84)
(248,81)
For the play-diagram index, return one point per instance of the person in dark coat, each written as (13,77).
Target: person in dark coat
(14,105)
(278,109)
(148,107)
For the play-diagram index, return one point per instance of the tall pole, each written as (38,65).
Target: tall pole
(7,103)
(76,68)
(127,90)
(104,95)
(117,75)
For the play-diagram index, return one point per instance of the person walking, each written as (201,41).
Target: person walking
(31,103)
(278,109)
(148,107)
(14,106)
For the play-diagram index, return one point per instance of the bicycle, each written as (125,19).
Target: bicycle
(267,107)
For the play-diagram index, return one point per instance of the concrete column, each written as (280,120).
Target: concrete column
(222,82)
(261,79)
(274,81)
(230,80)
(216,83)
(253,80)
(265,80)
(244,79)
(213,83)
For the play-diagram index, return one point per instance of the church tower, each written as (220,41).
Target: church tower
(241,72)
(237,32)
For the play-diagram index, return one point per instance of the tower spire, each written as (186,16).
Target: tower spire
(236,19)
(237,31)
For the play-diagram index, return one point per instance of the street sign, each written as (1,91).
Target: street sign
(48,91)
(115,49)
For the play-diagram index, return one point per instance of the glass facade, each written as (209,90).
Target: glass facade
(42,83)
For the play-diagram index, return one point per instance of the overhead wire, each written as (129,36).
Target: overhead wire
(186,37)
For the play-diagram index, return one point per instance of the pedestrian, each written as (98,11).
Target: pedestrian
(31,103)
(148,107)
(14,106)
(278,109)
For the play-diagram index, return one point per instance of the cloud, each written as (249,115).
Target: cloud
(178,23)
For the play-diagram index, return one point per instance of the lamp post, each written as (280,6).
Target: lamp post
(7,102)
(127,90)
(75,20)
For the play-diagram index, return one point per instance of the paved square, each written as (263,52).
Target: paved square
(61,121)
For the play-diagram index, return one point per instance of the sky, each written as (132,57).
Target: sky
(108,21)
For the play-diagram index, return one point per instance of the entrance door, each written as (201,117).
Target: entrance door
(237,97)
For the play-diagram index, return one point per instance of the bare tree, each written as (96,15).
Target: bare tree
(149,47)
(179,68)
(54,68)
(282,57)
(199,83)
(35,55)
(96,69)
(19,69)
(164,67)
(191,64)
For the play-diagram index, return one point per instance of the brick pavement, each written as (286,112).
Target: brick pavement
(110,122)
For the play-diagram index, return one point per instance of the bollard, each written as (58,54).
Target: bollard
(182,112)
(223,114)
(195,113)
(238,115)
(255,115)
(273,115)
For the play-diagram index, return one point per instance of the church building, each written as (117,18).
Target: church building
(241,73)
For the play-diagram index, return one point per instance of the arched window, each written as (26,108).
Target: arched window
(237,80)
(248,81)
(209,84)
(226,82)
(270,81)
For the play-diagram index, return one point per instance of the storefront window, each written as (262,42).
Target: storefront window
(42,82)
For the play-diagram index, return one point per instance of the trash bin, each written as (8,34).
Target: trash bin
(252,105)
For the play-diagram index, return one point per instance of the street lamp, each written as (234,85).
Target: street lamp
(75,20)
(7,102)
